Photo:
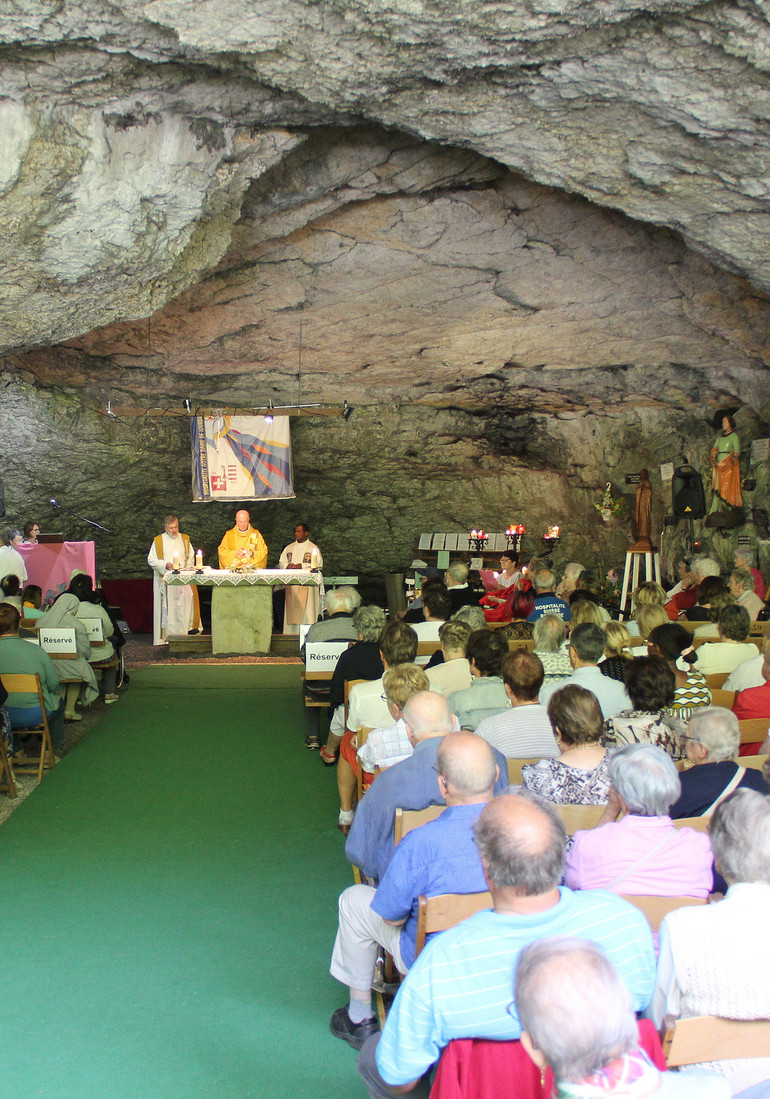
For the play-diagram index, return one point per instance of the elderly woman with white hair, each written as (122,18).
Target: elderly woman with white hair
(711,743)
(577,1019)
(636,848)
(569,581)
(549,634)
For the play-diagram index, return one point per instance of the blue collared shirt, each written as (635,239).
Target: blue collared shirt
(411,784)
(440,857)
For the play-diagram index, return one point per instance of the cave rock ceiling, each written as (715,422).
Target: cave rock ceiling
(452,203)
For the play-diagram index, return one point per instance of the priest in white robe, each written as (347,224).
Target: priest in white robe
(302,603)
(176,610)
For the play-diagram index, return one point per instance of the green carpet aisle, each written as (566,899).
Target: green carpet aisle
(169,903)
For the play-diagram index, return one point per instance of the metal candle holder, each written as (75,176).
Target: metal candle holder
(552,537)
(479,539)
(514,536)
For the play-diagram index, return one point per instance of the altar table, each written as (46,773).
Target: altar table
(242,603)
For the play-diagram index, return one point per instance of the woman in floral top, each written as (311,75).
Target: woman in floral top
(651,685)
(673,643)
(579,775)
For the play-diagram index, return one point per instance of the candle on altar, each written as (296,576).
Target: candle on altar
(199,559)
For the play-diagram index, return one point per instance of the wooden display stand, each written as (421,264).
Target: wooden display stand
(634,557)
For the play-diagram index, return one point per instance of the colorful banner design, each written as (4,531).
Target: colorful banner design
(241,458)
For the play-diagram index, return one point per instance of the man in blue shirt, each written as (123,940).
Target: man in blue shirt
(410,784)
(586,648)
(460,986)
(546,601)
(440,857)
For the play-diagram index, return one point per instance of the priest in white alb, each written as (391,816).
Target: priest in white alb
(302,602)
(176,609)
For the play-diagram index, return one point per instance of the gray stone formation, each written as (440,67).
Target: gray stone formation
(528,243)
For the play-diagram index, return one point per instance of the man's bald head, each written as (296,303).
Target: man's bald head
(426,714)
(467,764)
(242,519)
(521,841)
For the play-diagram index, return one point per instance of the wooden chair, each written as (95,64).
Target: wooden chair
(716,681)
(21,683)
(361,738)
(349,685)
(7,785)
(28,628)
(757,762)
(445,911)
(655,908)
(700,824)
(320,661)
(709,1038)
(753,730)
(577,817)
(526,645)
(514,769)
(426,649)
(407,819)
(723,698)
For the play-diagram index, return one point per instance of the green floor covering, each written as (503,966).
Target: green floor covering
(169,904)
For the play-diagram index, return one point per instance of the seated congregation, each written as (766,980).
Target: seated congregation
(71,651)
(541,826)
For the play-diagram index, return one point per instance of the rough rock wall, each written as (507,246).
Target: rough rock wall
(131,133)
(383,269)
(368,486)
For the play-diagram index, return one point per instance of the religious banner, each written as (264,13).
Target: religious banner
(241,458)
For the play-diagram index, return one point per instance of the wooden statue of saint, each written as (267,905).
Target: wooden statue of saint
(643,513)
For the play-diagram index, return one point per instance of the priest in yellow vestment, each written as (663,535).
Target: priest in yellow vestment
(244,542)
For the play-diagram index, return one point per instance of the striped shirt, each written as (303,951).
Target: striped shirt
(462,983)
(525,732)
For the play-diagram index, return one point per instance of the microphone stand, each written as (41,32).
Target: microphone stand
(97,526)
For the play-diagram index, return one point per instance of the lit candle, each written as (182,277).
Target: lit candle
(176,561)
(199,559)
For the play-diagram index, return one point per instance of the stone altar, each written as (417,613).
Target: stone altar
(242,603)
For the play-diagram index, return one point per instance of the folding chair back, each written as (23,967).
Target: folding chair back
(709,1038)
(514,769)
(720,697)
(655,908)
(407,819)
(753,730)
(445,911)
(578,817)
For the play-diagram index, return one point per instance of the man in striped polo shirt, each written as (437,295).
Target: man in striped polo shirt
(460,986)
